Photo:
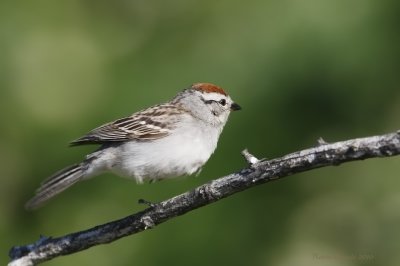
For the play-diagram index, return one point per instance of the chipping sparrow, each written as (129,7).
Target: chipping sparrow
(167,140)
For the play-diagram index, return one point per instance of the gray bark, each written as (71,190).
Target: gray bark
(258,172)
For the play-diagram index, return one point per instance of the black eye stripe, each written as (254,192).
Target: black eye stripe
(221,102)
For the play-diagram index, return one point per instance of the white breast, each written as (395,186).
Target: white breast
(182,152)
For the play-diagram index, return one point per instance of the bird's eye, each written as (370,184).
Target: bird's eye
(222,102)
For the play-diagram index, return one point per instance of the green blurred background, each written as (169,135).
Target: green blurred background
(300,69)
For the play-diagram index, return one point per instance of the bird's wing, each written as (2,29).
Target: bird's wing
(153,123)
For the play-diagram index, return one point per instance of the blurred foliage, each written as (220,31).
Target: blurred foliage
(300,69)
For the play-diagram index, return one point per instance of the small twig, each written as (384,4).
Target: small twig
(259,172)
(321,141)
(251,159)
(146,202)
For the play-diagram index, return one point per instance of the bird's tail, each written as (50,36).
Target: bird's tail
(56,184)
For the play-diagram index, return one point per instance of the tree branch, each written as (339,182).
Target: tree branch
(258,172)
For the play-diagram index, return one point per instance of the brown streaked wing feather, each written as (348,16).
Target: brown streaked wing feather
(145,125)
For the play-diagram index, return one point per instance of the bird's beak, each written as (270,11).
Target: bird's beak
(235,107)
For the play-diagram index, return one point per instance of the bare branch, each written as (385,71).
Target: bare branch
(257,173)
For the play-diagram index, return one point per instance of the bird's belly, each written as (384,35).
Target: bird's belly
(164,158)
